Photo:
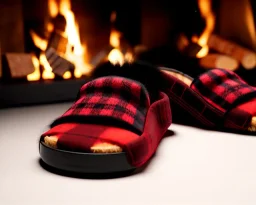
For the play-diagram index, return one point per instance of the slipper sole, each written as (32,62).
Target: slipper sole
(84,163)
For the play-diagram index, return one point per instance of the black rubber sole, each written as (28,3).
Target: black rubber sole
(85,163)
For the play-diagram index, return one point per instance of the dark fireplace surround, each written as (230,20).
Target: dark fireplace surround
(153,24)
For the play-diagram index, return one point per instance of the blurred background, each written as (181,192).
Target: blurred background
(50,47)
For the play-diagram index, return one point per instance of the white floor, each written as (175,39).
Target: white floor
(192,167)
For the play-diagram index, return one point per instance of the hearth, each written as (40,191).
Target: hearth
(50,47)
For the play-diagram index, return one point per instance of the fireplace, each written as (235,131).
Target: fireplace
(50,47)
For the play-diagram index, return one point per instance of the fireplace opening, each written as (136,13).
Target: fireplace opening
(50,47)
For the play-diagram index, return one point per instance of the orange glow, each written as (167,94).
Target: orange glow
(67,75)
(47,72)
(48,75)
(36,74)
(53,8)
(114,38)
(113,17)
(50,27)
(75,53)
(116,57)
(128,57)
(38,41)
(207,14)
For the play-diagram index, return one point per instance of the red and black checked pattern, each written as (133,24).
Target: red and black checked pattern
(118,98)
(115,98)
(223,88)
(184,98)
(139,147)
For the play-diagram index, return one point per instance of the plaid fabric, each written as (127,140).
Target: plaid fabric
(223,88)
(113,98)
(152,119)
(188,100)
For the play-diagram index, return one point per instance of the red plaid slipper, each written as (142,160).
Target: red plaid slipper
(111,110)
(217,99)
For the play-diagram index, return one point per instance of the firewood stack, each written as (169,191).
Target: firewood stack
(243,56)
(223,53)
(227,54)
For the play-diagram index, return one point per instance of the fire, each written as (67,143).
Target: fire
(38,41)
(207,14)
(75,52)
(114,38)
(67,75)
(115,56)
(36,74)
(47,73)
(53,8)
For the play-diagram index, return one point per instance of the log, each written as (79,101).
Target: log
(245,56)
(192,49)
(59,23)
(19,64)
(101,56)
(58,64)
(58,42)
(219,61)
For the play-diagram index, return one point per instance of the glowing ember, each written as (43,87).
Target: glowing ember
(207,14)
(38,41)
(36,74)
(67,75)
(114,38)
(47,72)
(53,8)
(128,57)
(116,57)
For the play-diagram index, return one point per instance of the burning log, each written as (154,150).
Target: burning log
(58,64)
(192,49)
(219,61)
(246,57)
(59,23)
(20,64)
(101,56)
(58,42)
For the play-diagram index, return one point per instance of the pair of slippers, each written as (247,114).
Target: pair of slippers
(120,116)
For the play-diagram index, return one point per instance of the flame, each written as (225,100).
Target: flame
(47,72)
(53,8)
(67,75)
(114,38)
(207,14)
(38,41)
(75,51)
(128,57)
(36,74)
(115,56)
